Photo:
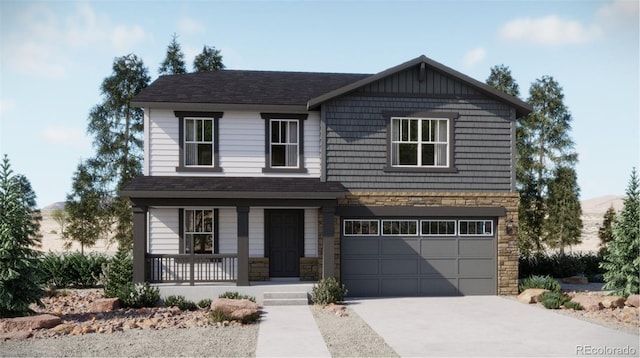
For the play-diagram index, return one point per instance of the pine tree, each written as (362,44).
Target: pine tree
(19,263)
(621,262)
(87,216)
(543,144)
(605,232)
(173,63)
(117,129)
(209,59)
(501,79)
(563,225)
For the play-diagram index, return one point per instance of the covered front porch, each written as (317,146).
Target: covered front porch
(258,243)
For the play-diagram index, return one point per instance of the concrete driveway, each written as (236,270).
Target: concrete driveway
(486,326)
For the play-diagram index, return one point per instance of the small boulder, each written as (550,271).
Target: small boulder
(29,323)
(15,335)
(612,302)
(633,301)
(531,295)
(65,328)
(576,280)
(588,302)
(235,309)
(105,305)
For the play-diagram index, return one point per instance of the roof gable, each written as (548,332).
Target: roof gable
(423,76)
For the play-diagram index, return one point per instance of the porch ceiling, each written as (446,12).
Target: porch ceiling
(231,188)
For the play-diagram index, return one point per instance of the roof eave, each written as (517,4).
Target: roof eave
(177,106)
(191,194)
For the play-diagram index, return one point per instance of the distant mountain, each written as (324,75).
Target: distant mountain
(55,206)
(601,204)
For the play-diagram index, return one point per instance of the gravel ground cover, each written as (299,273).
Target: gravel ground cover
(347,335)
(237,341)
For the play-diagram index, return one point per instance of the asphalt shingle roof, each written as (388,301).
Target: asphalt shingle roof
(201,187)
(245,87)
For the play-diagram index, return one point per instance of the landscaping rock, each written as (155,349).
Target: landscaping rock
(235,309)
(531,295)
(612,302)
(105,305)
(576,280)
(15,335)
(588,302)
(633,301)
(29,323)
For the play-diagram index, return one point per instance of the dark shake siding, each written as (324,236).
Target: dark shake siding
(484,132)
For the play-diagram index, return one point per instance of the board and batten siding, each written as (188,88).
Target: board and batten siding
(164,232)
(241,145)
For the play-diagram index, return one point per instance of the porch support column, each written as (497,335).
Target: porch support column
(139,243)
(328,242)
(243,246)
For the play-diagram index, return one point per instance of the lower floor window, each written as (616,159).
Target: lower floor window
(199,233)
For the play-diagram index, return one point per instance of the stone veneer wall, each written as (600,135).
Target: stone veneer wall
(309,269)
(336,246)
(507,226)
(258,268)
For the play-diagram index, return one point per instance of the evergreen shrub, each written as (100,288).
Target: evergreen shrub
(328,290)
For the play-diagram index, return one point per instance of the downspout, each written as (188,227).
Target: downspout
(323,144)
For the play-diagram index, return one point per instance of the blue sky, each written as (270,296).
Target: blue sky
(54,56)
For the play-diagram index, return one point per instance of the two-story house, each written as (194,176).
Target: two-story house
(396,183)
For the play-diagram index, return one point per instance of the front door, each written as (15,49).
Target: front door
(284,233)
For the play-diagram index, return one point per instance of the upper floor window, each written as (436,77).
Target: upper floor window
(198,142)
(420,142)
(284,142)
(198,133)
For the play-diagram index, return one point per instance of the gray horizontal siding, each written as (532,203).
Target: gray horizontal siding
(356,140)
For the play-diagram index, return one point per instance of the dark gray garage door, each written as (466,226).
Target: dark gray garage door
(419,257)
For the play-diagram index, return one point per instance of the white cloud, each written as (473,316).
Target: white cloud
(125,38)
(550,30)
(65,136)
(45,44)
(190,26)
(474,56)
(620,14)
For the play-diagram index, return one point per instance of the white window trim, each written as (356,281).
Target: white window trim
(455,227)
(185,142)
(401,234)
(344,227)
(286,144)
(420,142)
(490,222)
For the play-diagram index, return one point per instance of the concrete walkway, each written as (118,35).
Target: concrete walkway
(289,331)
(486,326)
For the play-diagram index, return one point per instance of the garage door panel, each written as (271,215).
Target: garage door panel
(361,267)
(439,266)
(477,267)
(400,267)
(477,286)
(362,287)
(361,246)
(399,287)
(400,246)
(438,247)
(438,287)
(477,247)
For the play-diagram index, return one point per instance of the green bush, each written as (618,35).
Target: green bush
(117,275)
(219,316)
(560,265)
(573,305)
(139,295)
(328,290)
(181,302)
(72,269)
(553,300)
(237,296)
(546,282)
(204,303)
